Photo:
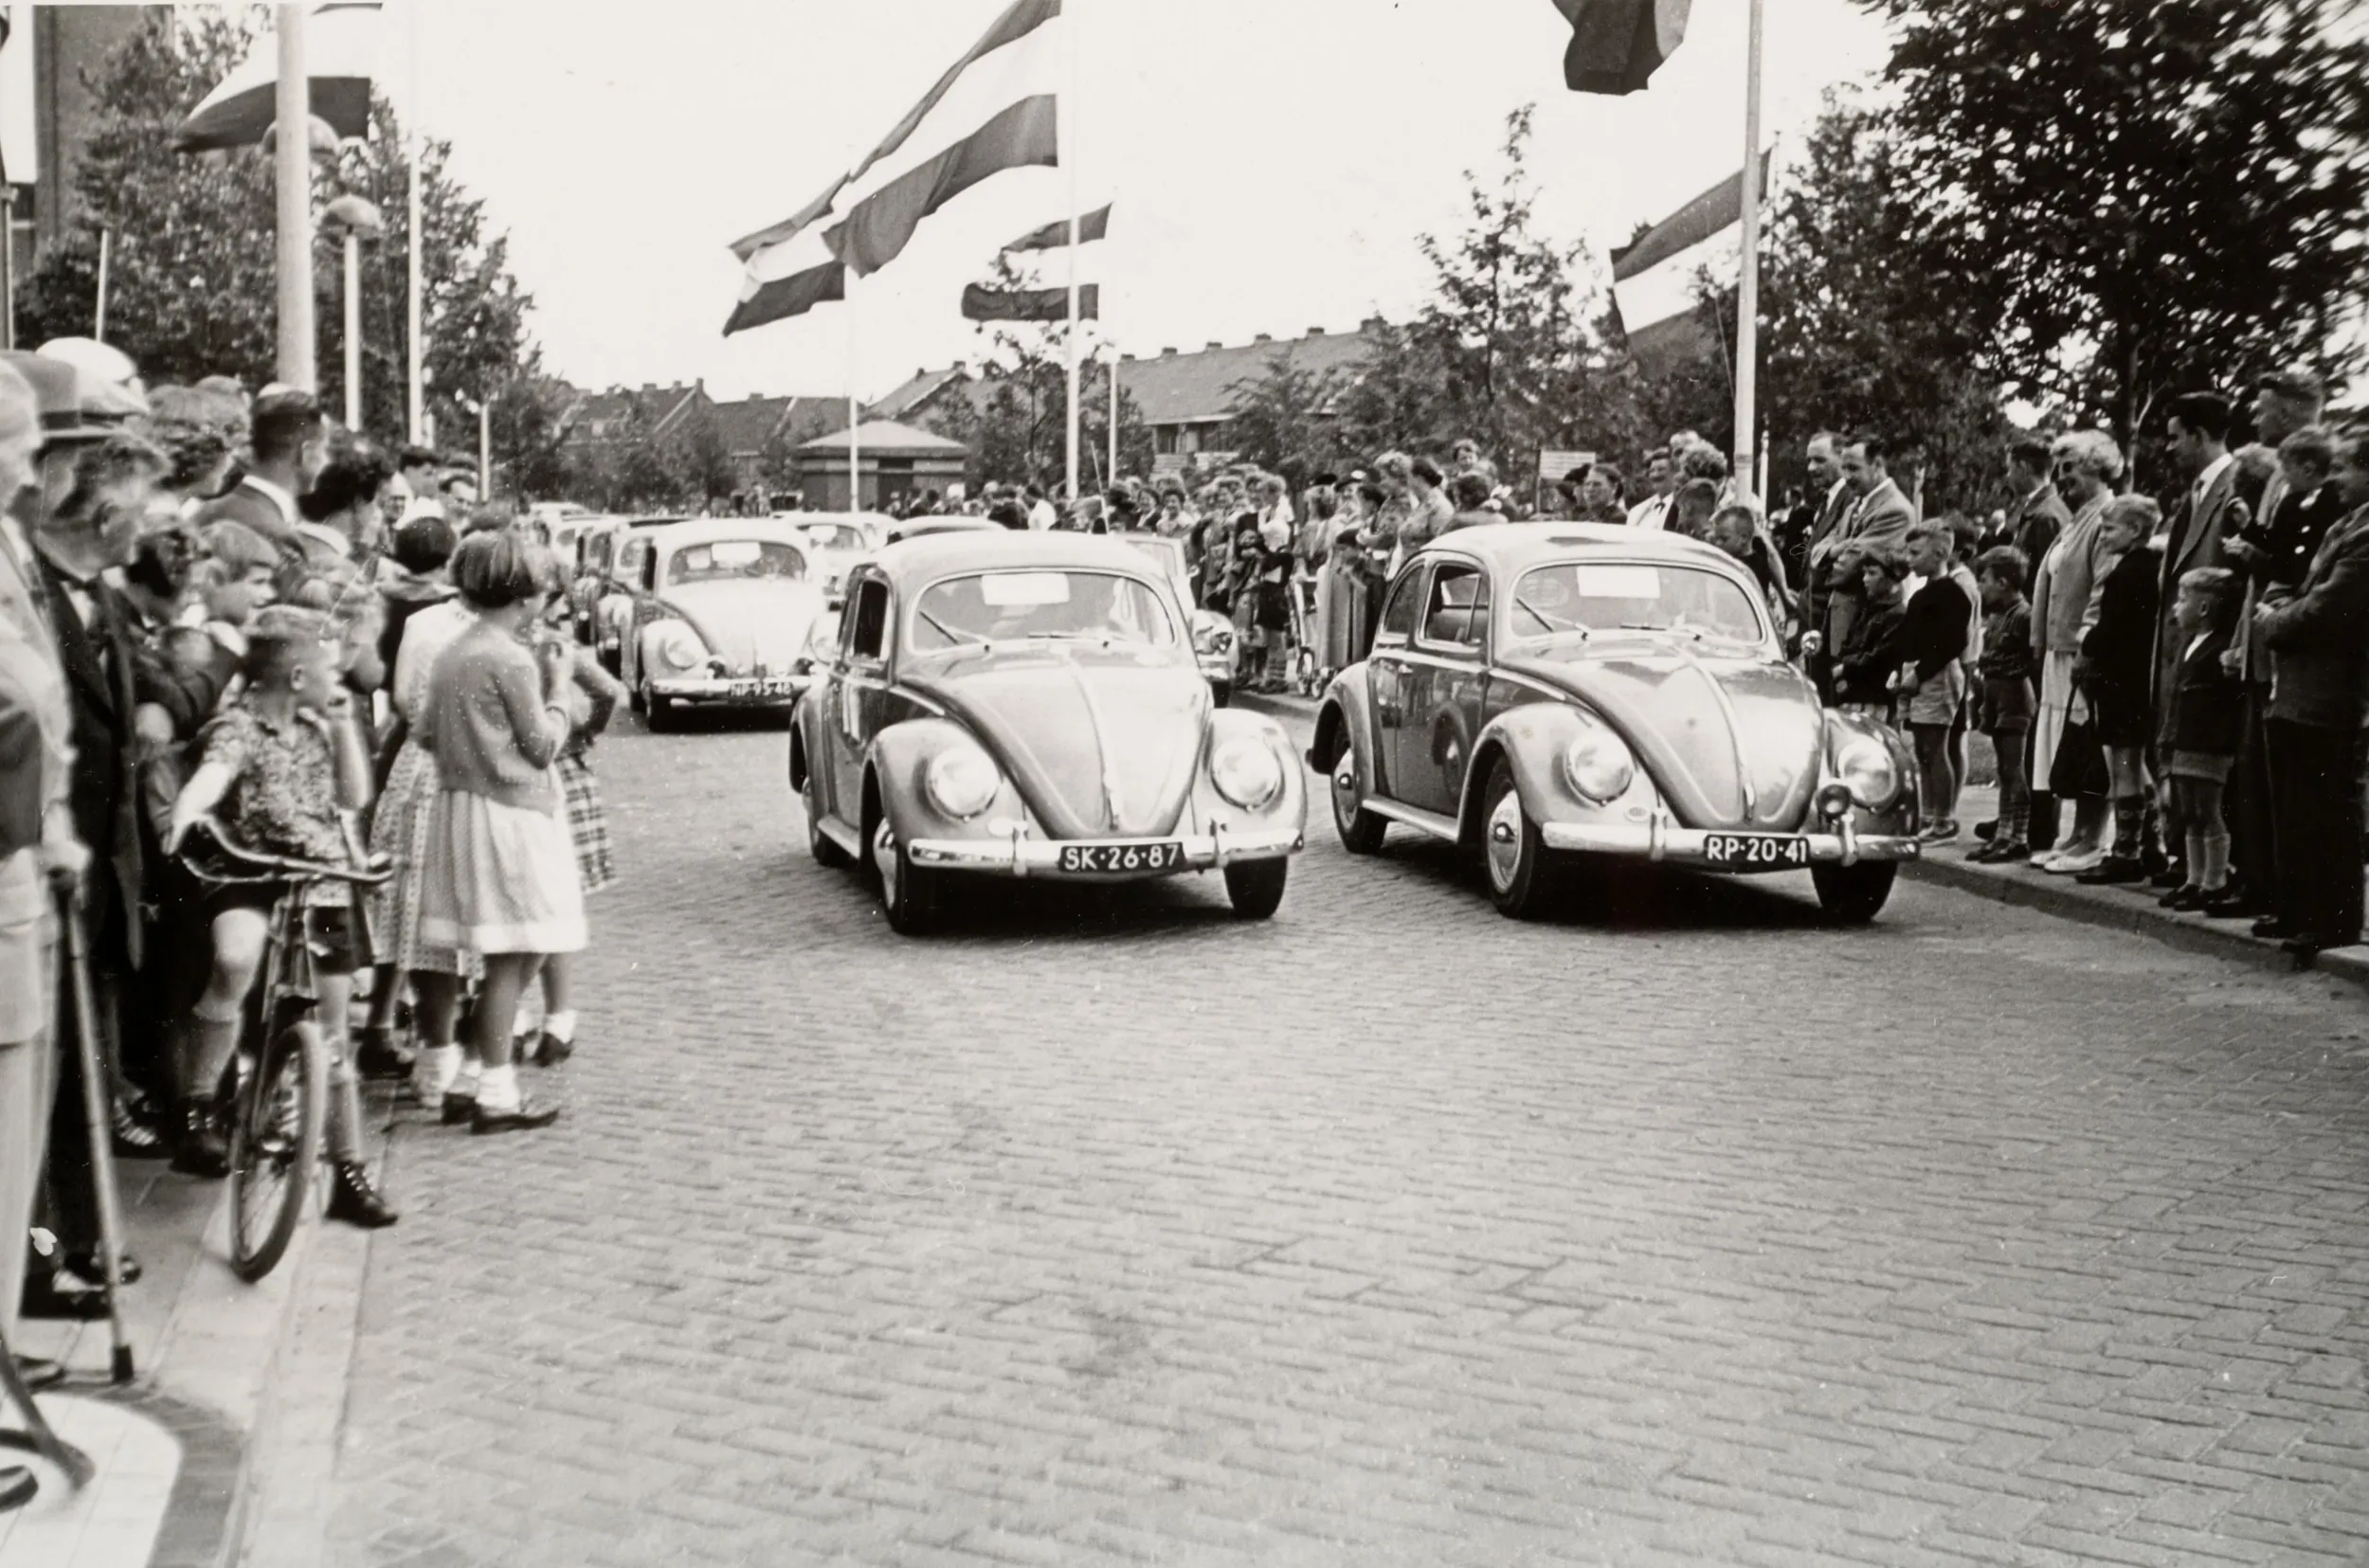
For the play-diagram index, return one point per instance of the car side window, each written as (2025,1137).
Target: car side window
(629,560)
(1398,614)
(1456,611)
(867,629)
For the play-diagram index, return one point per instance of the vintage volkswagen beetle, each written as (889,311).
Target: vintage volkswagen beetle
(719,613)
(1540,689)
(1028,705)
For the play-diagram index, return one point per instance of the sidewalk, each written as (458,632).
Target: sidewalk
(2123,908)
(176,1448)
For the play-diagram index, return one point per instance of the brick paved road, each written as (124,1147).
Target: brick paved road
(1391,1233)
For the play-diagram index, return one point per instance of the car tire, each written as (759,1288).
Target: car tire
(1362,831)
(908,893)
(658,713)
(1256,887)
(1853,895)
(1222,694)
(1514,852)
(823,847)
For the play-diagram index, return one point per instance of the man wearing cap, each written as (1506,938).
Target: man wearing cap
(283,444)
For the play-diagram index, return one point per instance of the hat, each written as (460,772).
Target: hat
(1323,480)
(2298,382)
(75,405)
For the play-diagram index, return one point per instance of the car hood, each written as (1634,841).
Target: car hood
(1732,742)
(751,624)
(1099,741)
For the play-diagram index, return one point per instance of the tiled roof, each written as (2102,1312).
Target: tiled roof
(887,436)
(746,425)
(591,415)
(1187,388)
(919,390)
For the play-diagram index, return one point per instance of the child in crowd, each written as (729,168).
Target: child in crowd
(1931,682)
(1869,655)
(2198,739)
(272,762)
(2007,699)
(1245,561)
(2116,667)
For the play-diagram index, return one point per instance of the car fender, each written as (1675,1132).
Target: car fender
(894,764)
(646,633)
(1344,726)
(1901,816)
(1531,739)
(1291,802)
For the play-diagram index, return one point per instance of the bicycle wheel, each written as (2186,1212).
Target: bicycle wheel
(275,1147)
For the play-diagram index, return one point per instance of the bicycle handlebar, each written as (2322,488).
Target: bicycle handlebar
(273,867)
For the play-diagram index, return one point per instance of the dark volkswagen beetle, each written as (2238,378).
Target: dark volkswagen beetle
(1013,704)
(1537,689)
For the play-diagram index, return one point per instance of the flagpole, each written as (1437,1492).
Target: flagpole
(1070,120)
(293,158)
(1746,440)
(854,408)
(415,352)
(1114,413)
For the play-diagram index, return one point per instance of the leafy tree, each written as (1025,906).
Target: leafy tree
(1284,419)
(191,287)
(2148,194)
(528,439)
(699,458)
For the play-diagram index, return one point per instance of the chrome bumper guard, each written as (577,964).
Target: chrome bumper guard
(1021,856)
(1665,843)
(719,687)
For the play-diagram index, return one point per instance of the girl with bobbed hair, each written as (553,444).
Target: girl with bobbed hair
(501,879)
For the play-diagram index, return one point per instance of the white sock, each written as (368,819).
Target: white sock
(465,1083)
(498,1089)
(561,1026)
(438,1066)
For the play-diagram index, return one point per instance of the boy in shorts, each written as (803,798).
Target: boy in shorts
(2005,699)
(269,764)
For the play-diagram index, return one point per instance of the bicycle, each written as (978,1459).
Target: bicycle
(280,1105)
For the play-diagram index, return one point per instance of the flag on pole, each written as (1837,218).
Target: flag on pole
(992,110)
(339,44)
(1616,46)
(1090,226)
(982,303)
(1653,276)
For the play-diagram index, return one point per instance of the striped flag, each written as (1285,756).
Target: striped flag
(993,110)
(1616,46)
(982,303)
(1653,276)
(1054,236)
(339,42)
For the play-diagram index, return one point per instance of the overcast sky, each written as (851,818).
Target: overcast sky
(1271,161)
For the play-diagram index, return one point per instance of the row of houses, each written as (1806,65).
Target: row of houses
(1189,399)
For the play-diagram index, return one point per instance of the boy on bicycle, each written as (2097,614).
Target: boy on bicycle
(269,766)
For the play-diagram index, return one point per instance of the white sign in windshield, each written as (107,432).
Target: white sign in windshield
(1017,589)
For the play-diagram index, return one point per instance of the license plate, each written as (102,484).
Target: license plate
(1757,851)
(775,687)
(1122,860)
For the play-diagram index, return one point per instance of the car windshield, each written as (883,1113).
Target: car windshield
(735,558)
(1006,607)
(836,535)
(1585,597)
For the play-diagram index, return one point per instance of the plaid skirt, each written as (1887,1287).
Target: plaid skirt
(399,831)
(587,823)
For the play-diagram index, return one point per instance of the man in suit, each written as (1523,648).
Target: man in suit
(1830,498)
(1878,515)
(2041,513)
(2285,404)
(2198,424)
(285,449)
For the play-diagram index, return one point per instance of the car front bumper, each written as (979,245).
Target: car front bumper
(1666,843)
(1019,855)
(742,691)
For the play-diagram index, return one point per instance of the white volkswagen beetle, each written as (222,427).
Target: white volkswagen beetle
(721,609)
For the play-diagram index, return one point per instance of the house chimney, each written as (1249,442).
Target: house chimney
(1264,337)
(1372,321)
(1168,353)
(1126,356)
(1315,332)
(1215,344)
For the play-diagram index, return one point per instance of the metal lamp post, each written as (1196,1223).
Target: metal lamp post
(354,220)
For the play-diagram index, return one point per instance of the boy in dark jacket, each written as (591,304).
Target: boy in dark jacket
(1870,653)
(2006,698)
(2202,719)
(2115,669)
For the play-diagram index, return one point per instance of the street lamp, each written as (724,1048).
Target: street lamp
(354,220)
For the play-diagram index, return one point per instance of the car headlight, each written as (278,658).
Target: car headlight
(963,781)
(1864,764)
(1212,635)
(1246,773)
(679,648)
(1597,766)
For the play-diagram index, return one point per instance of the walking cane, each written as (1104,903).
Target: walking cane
(102,1165)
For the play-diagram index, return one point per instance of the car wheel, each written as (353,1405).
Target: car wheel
(657,712)
(824,848)
(1513,854)
(1256,887)
(909,893)
(1222,694)
(1855,894)
(1362,831)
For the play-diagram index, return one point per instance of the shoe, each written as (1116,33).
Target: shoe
(457,1108)
(377,1055)
(524,1117)
(39,1372)
(201,1150)
(18,1486)
(135,1134)
(2173,875)
(2045,859)
(551,1050)
(2010,852)
(2114,870)
(2183,900)
(2075,863)
(76,1301)
(87,1265)
(2232,904)
(1986,831)
(355,1201)
(1939,833)
(2271,927)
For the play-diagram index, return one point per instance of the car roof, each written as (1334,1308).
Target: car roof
(1011,549)
(709,530)
(1518,547)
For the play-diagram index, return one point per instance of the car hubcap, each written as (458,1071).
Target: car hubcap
(1344,793)
(885,855)
(1505,839)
